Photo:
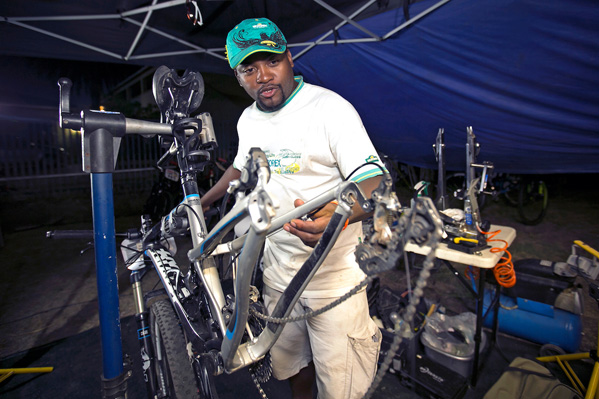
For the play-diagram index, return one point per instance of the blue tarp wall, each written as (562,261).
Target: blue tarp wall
(524,74)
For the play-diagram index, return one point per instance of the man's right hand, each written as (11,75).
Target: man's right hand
(310,231)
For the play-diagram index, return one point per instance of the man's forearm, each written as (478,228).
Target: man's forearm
(367,186)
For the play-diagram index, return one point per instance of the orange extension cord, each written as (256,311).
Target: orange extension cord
(504,269)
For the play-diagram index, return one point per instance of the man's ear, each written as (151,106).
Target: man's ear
(236,76)
(289,57)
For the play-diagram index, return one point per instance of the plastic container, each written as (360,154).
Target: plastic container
(449,341)
(460,364)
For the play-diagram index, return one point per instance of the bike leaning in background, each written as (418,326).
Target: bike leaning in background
(527,193)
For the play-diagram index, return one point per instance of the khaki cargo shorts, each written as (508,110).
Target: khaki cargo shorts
(343,342)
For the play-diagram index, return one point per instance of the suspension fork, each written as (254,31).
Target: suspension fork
(143,330)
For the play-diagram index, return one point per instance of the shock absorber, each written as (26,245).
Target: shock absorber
(143,328)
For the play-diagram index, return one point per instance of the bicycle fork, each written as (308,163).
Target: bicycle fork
(143,329)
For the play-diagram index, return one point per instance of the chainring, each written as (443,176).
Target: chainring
(262,369)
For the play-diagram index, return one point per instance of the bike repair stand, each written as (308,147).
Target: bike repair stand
(442,200)
(101,134)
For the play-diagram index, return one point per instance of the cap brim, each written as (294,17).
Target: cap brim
(241,56)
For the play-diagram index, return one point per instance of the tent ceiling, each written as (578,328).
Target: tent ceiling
(158,32)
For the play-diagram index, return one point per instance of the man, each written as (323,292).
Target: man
(312,138)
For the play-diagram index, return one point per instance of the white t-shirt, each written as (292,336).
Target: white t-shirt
(312,143)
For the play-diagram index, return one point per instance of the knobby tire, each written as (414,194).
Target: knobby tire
(172,366)
(532,201)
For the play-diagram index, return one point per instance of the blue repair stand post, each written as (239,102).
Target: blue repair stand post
(101,135)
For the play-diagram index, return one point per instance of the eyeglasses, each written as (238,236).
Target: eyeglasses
(193,12)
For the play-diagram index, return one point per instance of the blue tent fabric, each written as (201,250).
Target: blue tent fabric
(524,74)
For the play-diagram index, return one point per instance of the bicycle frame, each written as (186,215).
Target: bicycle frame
(235,355)
(259,206)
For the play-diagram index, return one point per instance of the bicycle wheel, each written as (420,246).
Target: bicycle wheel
(532,201)
(175,377)
(510,189)
(455,187)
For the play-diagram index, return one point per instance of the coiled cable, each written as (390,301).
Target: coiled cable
(504,269)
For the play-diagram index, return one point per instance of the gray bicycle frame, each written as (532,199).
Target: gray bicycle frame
(236,355)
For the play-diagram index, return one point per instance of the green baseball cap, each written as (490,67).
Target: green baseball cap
(251,36)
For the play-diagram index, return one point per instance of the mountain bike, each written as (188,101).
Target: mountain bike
(529,194)
(193,329)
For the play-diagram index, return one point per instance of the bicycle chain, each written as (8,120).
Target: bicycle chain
(403,330)
(313,313)
(258,386)
(304,316)
(260,371)
(403,327)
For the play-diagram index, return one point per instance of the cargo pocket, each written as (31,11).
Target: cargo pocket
(362,356)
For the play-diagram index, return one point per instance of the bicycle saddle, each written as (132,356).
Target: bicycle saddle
(177,96)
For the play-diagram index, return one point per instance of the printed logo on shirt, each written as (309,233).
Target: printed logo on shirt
(286,162)
(372,158)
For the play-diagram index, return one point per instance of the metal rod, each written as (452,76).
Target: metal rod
(340,41)
(183,52)
(155,55)
(140,31)
(414,19)
(160,6)
(27,370)
(59,175)
(66,39)
(355,14)
(164,34)
(64,18)
(346,19)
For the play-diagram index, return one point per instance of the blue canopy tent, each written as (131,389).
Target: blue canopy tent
(524,74)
